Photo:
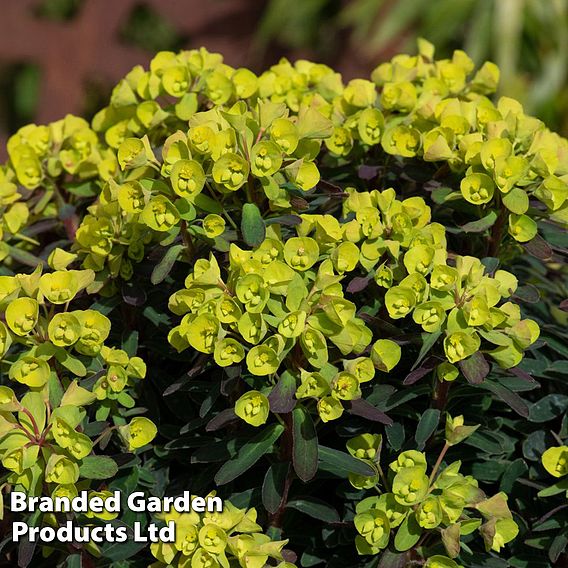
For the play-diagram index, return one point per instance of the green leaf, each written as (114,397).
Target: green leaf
(305,444)
(273,487)
(315,508)
(249,454)
(512,399)
(24,257)
(426,426)
(164,267)
(98,467)
(342,464)
(428,341)
(69,362)
(475,368)
(559,487)
(73,561)
(116,551)
(408,534)
(281,397)
(481,224)
(548,408)
(253,226)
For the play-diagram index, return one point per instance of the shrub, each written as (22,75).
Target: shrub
(318,300)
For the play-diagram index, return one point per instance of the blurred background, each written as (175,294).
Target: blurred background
(61,56)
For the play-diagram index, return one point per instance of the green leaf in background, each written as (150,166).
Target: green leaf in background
(305,444)
(426,426)
(249,454)
(315,508)
(98,467)
(273,487)
(342,464)
(164,267)
(253,227)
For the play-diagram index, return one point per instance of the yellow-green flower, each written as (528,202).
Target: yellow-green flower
(409,459)
(202,332)
(301,253)
(370,126)
(227,352)
(188,178)
(363,368)
(460,345)
(522,228)
(61,470)
(555,461)
(429,513)
(212,538)
(399,301)
(59,287)
(386,354)
(231,171)
(410,486)
(160,214)
(22,315)
(64,329)
(477,188)
(365,446)
(456,431)
(447,372)
(139,432)
(373,525)
(213,225)
(430,315)
(345,386)
(329,409)
(252,291)
(293,324)
(285,134)
(265,158)
(30,371)
(313,385)
(175,80)
(262,360)
(253,407)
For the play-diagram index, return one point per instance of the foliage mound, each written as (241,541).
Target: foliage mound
(338,306)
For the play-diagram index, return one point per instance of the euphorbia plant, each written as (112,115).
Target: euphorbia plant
(294,266)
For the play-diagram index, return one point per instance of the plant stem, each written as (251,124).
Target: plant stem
(438,463)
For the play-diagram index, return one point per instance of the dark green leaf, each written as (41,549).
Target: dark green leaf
(548,408)
(164,267)
(305,445)
(252,225)
(273,487)
(426,426)
(428,341)
(315,508)
(481,224)
(98,467)
(249,454)
(510,398)
(342,464)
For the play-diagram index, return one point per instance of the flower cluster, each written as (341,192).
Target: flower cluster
(414,502)
(52,351)
(218,539)
(280,306)
(406,254)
